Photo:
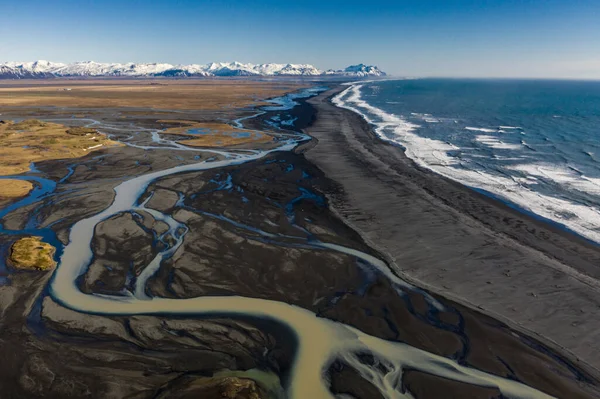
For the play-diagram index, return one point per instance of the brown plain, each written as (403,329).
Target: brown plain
(162,94)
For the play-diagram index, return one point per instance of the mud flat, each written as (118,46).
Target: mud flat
(456,242)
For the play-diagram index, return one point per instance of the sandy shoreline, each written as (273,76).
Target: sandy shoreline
(456,242)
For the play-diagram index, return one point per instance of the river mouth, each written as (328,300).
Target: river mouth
(186,261)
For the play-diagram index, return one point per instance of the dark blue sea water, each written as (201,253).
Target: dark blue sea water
(533,143)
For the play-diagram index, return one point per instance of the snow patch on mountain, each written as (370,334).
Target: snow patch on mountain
(360,70)
(47,69)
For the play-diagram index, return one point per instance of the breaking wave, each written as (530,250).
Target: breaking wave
(558,192)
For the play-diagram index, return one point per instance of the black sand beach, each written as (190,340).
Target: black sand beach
(456,242)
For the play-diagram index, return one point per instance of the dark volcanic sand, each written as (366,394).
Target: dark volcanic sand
(457,242)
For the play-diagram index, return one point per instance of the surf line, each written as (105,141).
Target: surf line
(320,341)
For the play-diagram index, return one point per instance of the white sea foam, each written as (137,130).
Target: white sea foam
(521,190)
(493,142)
(481,129)
(423,150)
(567,178)
(425,117)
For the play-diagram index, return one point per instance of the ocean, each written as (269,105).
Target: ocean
(533,144)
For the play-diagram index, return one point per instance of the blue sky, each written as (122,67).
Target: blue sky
(476,38)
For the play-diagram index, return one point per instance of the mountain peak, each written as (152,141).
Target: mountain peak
(360,70)
(47,69)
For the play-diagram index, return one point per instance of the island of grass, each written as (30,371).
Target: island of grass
(31,253)
(214,134)
(11,189)
(22,143)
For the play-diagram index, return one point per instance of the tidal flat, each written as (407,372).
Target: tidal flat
(230,267)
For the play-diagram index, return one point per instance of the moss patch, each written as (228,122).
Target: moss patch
(32,141)
(30,253)
(26,124)
(81,131)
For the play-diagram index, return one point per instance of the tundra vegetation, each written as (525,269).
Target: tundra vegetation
(11,189)
(22,143)
(31,253)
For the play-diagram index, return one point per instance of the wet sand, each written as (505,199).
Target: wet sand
(458,243)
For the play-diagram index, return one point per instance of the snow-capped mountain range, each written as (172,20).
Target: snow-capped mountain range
(46,69)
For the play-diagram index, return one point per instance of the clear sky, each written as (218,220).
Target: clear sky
(476,38)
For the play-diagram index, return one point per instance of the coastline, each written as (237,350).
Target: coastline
(552,205)
(435,231)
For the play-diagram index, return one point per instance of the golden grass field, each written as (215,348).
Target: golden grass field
(30,253)
(33,141)
(160,94)
(12,188)
(220,134)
